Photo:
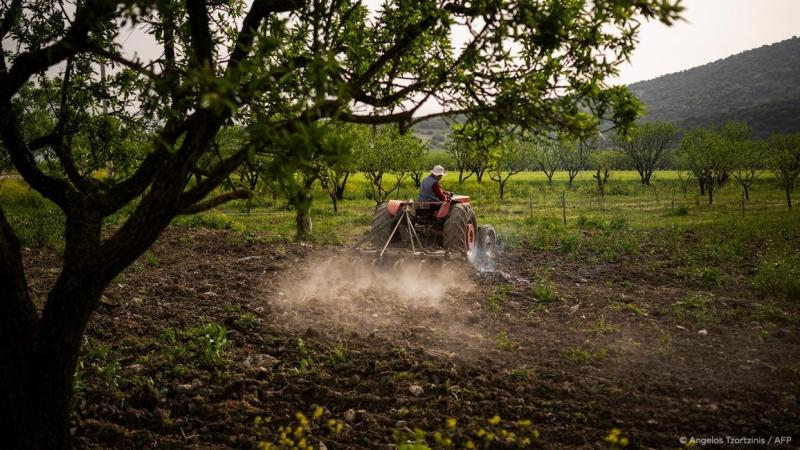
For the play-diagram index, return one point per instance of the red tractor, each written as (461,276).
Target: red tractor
(447,229)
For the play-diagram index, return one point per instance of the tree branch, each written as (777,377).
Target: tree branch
(216,201)
(116,57)
(259,10)
(200,33)
(216,176)
(10,17)
(53,188)
(88,15)
(410,34)
(123,192)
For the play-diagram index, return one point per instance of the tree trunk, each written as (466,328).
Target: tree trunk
(335,203)
(340,187)
(789,197)
(549,178)
(38,370)
(702,183)
(18,321)
(746,192)
(710,186)
(302,205)
(302,221)
(417,179)
(502,189)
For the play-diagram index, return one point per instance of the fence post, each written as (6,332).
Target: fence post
(742,202)
(672,206)
(530,202)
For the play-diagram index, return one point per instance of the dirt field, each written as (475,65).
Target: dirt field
(599,347)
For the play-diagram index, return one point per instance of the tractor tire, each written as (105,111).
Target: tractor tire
(460,228)
(382,225)
(487,242)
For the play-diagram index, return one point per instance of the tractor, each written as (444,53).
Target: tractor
(445,229)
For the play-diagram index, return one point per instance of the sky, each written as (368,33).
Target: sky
(712,30)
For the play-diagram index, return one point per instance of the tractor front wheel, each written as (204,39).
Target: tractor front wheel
(460,229)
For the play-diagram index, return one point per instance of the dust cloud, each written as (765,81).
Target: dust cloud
(346,294)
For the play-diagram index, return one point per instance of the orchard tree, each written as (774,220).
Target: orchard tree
(387,159)
(423,165)
(707,156)
(574,154)
(471,146)
(510,157)
(784,161)
(547,157)
(334,168)
(459,153)
(647,146)
(748,162)
(275,67)
(602,163)
(732,134)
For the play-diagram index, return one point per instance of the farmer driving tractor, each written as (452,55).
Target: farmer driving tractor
(430,190)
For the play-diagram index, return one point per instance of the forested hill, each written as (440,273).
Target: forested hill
(759,86)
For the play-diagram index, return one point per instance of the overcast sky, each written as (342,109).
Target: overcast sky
(713,29)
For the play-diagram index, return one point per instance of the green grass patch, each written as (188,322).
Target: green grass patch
(544,291)
(580,356)
(698,308)
(778,275)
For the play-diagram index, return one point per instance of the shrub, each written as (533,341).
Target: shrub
(544,291)
(779,276)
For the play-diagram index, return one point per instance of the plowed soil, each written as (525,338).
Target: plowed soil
(386,351)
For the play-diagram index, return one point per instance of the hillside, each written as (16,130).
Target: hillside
(760,86)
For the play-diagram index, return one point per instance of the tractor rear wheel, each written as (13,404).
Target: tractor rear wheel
(460,228)
(382,225)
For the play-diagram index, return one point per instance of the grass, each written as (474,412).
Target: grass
(544,291)
(496,300)
(698,308)
(202,345)
(580,356)
(629,306)
(504,341)
(602,327)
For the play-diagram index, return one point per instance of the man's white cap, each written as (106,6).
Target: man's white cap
(438,170)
